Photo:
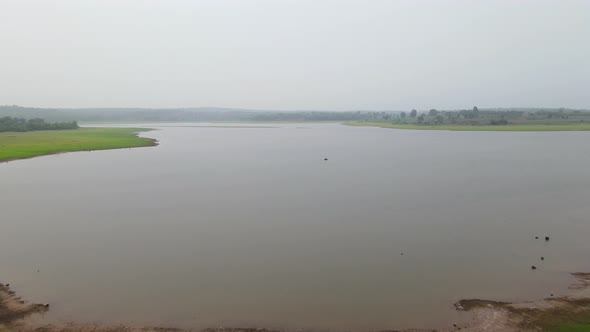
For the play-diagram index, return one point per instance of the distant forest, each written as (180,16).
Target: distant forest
(19,124)
(496,116)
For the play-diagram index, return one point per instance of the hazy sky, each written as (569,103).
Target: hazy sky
(295,54)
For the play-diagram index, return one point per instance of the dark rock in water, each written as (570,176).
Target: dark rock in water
(551,294)
(546,238)
(536,237)
(542,258)
(402,254)
(325,159)
(533,267)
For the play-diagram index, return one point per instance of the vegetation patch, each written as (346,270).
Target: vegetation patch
(21,145)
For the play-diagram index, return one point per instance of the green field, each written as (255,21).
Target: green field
(20,145)
(509,127)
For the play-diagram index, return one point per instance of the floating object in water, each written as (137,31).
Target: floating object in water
(546,238)
(536,237)
(533,267)
(542,258)
(325,159)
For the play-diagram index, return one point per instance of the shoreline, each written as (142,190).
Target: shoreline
(486,128)
(564,313)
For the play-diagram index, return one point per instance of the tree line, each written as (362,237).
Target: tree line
(476,116)
(19,124)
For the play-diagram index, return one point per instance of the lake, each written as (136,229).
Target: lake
(248,225)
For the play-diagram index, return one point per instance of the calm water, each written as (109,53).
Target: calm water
(250,227)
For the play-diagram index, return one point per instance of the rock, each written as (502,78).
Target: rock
(533,267)
(542,258)
(325,159)
(536,237)
(546,238)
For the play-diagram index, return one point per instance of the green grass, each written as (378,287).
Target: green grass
(573,316)
(15,145)
(568,327)
(510,127)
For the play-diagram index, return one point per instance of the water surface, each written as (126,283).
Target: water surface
(238,226)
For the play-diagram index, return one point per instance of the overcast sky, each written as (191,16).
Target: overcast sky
(295,54)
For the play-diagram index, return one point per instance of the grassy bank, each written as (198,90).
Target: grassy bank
(509,127)
(21,145)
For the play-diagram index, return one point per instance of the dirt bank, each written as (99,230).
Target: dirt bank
(553,313)
(13,309)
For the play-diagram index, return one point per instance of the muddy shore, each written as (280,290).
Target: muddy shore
(17,314)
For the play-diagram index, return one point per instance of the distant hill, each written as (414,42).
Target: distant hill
(174,114)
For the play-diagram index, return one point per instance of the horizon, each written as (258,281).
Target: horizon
(239,109)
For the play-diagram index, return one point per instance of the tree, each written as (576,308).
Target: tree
(413,113)
(421,118)
(19,124)
(402,115)
(432,112)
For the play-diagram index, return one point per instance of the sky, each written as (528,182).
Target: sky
(295,54)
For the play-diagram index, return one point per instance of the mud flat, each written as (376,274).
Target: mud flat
(14,309)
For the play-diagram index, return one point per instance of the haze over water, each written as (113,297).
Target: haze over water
(251,227)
